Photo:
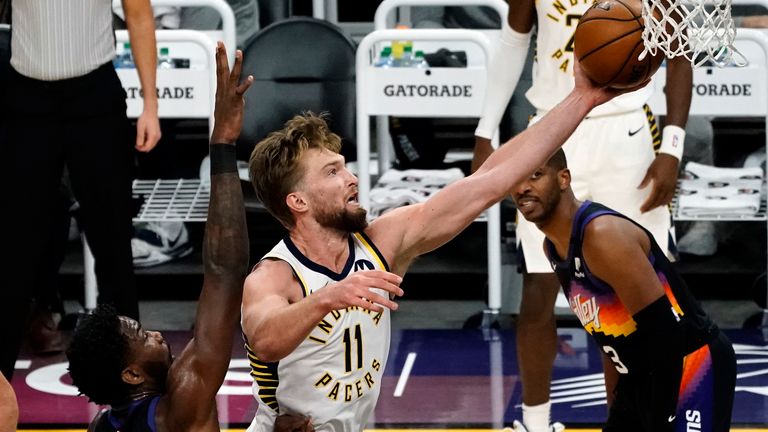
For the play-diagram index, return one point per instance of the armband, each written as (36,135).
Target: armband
(223,158)
(672,141)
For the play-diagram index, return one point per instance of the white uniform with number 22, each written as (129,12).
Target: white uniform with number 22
(610,152)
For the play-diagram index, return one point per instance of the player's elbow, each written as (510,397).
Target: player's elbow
(267,345)
(267,349)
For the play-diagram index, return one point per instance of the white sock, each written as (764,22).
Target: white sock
(536,418)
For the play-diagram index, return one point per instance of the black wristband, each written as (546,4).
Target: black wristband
(223,158)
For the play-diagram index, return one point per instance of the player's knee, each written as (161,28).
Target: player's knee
(538,299)
(531,320)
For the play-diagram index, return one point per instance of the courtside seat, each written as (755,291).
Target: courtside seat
(299,64)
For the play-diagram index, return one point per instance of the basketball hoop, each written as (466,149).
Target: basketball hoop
(701,30)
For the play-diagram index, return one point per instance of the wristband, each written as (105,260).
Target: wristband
(672,141)
(223,158)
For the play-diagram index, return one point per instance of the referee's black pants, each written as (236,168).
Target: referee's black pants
(80,123)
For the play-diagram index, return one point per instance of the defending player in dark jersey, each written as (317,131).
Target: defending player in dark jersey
(114,361)
(668,367)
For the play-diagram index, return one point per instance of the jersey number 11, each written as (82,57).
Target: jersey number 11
(348,348)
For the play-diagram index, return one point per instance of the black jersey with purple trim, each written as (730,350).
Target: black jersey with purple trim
(602,313)
(139,416)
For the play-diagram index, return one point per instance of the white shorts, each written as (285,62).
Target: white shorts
(608,157)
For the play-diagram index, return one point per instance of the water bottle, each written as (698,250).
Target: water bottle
(385,58)
(164,61)
(124,60)
(116,59)
(397,53)
(407,54)
(419,61)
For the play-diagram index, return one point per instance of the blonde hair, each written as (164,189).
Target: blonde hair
(274,165)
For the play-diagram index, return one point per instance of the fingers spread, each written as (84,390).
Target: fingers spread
(234,77)
(367,304)
(222,50)
(374,302)
(222,65)
(389,285)
(381,274)
(244,86)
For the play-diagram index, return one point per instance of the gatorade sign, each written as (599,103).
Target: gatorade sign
(437,92)
(723,91)
(726,91)
(181,93)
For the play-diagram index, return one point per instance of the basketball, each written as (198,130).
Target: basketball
(608,41)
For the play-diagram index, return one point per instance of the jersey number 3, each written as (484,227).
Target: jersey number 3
(620,367)
(348,347)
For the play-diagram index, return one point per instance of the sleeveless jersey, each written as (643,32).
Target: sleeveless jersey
(553,65)
(602,313)
(334,375)
(139,416)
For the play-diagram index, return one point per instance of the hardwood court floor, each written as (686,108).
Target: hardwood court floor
(434,379)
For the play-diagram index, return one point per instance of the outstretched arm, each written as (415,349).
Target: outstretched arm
(410,231)
(198,373)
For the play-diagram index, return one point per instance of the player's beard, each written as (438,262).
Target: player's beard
(547,204)
(343,220)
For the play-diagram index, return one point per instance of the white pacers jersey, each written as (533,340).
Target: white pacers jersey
(334,375)
(553,68)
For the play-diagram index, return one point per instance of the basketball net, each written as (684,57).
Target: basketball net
(701,30)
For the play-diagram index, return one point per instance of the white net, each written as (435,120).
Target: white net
(701,30)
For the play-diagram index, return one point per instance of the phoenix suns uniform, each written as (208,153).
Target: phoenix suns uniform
(334,375)
(611,150)
(138,416)
(677,371)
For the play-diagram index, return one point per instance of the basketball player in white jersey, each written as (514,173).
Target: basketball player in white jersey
(316,309)
(612,156)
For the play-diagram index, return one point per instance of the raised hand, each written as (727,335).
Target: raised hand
(599,94)
(355,290)
(228,114)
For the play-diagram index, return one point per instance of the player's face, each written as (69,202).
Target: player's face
(538,195)
(332,191)
(148,350)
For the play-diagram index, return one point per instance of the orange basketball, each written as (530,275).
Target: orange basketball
(608,41)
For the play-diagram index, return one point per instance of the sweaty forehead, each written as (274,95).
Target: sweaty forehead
(316,158)
(130,327)
(322,153)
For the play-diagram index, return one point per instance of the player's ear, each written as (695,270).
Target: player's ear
(564,178)
(132,375)
(297,202)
